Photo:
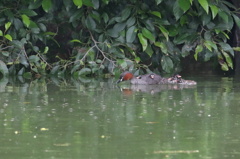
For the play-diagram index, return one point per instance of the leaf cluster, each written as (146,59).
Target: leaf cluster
(94,37)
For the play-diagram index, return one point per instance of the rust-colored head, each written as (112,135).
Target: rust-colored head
(125,76)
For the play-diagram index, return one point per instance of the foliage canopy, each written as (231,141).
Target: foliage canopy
(83,37)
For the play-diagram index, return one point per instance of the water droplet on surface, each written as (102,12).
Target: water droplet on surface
(91,113)
(70,110)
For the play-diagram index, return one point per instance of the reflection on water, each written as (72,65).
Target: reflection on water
(52,118)
(152,89)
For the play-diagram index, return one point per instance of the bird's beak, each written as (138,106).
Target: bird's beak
(120,80)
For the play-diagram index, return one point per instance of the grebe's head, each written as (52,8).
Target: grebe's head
(125,76)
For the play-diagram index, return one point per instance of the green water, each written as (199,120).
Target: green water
(96,119)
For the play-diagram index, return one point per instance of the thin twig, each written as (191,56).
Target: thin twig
(95,46)
(87,52)
(103,53)
(6,48)
(44,61)
(24,51)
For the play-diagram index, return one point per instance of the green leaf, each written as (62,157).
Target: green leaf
(184,20)
(223,64)
(35,4)
(207,55)
(147,34)
(7,25)
(184,4)
(236,48)
(50,33)
(28,12)
(181,38)
(33,58)
(198,49)
(112,33)
(34,69)
(206,19)
(167,64)
(131,34)
(117,28)
(1,33)
(35,48)
(26,20)
(21,71)
(208,35)
(224,16)
(78,3)
(173,31)
(225,34)
(209,45)
(105,17)
(186,49)
(149,24)
(3,68)
(214,10)
(162,46)
(18,24)
(5,53)
(164,31)
(177,11)
(23,60)
(91,55)
(226,47)
(95,15)
(131,21)
(17,44)
(137,59)
(237,20)
(54,69)
(46,50)
(75,16)
(158,44)
(95,4)
(122,63)
(87,3)
(143,41)
(204,4)
(27,75)
(76,40)
(105,1)
(149,50)
(84,72)
(75,68)
(156,13)
(46,5)
(90,23)
(125,14)
(213,45)
(9,37)
(158,1)
(228,59)
(34,28)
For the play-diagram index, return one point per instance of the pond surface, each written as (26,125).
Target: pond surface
(96,119)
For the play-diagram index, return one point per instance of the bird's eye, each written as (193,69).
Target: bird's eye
(152,76)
